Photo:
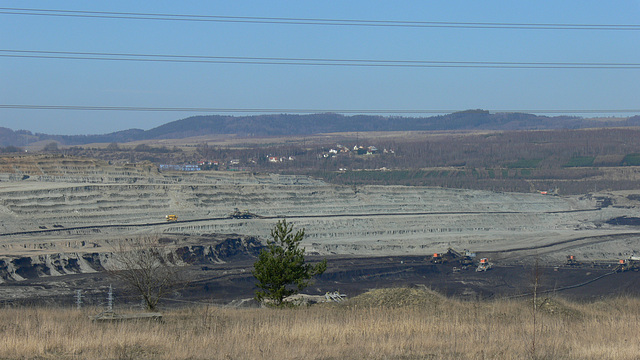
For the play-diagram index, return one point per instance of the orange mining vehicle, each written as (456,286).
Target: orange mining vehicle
(452,256)
(571,260)
(484,265)
(630,264)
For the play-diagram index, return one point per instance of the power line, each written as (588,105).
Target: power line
(70,55)
(306,111)
(312,21)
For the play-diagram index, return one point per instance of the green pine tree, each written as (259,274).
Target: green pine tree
(281,270)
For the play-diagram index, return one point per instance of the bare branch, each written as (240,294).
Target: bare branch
(146,267)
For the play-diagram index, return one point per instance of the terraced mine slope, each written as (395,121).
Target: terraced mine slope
(72,208)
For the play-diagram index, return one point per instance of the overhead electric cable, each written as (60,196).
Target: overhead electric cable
(70,55)
(305,111)
(312,21)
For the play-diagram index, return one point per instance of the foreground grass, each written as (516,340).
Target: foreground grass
(436,328)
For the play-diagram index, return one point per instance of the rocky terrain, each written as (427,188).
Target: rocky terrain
(62,215)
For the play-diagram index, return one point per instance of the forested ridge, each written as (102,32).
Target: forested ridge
(291,124)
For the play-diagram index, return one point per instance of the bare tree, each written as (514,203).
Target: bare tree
(147,268)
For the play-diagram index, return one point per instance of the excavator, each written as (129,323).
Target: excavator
(571,260)
(632,263)
(243,214)
(484,265)
(437,258)
(465,258)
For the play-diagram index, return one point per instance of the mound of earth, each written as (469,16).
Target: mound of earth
(560,307)
(398,297)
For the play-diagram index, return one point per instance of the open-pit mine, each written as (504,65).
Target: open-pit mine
(60,218)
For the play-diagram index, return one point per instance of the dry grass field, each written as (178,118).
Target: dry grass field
(383,324)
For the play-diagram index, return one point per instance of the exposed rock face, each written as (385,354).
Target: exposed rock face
(209,249)
(229,249)
(29,267)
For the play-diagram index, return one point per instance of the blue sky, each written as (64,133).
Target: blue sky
(38,81)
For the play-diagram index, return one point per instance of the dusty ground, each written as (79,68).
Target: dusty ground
(69,211)
(232,283)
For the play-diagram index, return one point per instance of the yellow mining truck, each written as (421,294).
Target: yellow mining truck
(172,217)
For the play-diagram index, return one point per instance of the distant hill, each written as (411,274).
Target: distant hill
(290,124)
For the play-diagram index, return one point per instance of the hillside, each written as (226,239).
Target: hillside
(290,124)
